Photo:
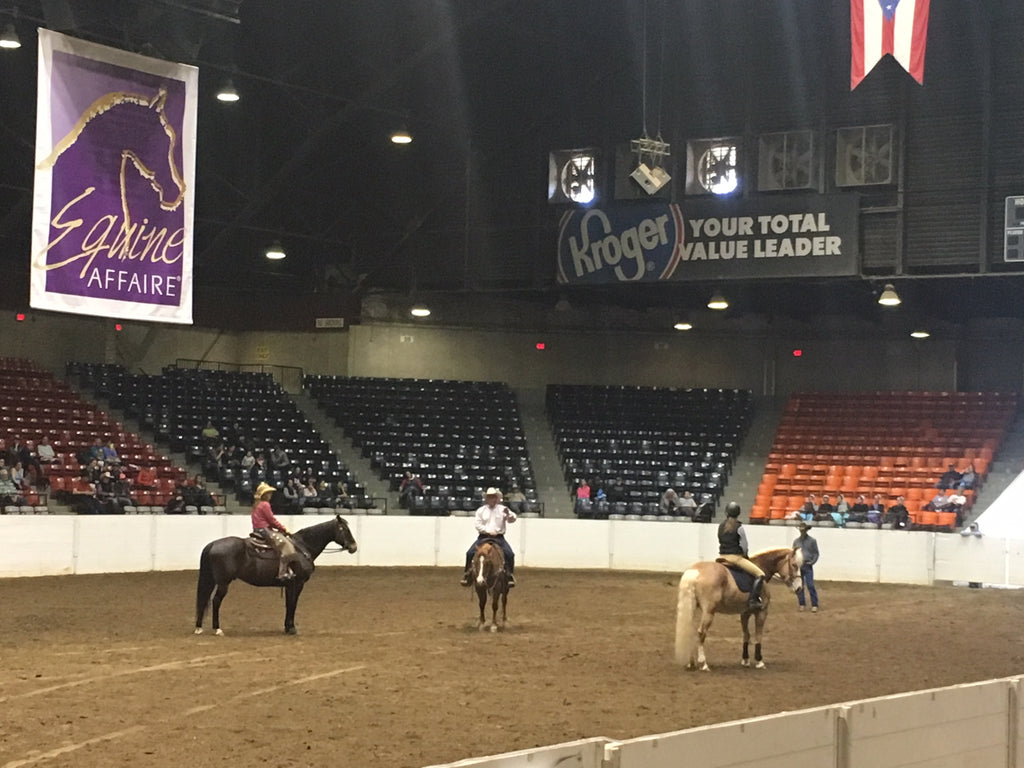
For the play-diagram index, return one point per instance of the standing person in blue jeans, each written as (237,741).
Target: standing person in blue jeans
(809,546)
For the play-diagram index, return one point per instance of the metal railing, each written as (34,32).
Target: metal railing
(288,377)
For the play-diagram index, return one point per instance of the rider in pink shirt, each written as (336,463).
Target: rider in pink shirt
(265,523)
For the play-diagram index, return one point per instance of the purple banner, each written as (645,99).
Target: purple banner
(112,230)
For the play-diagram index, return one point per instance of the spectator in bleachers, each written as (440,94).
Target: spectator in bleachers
(110,453)
(956,505)
(410,488)
(824,511)
(197,494)
(279,458)
(96,450)
(324,495)
(310,496)
(18,476)
(898,515)
(617,491)
(17,451)
(92,471)
(210,434)
(292,495)
(516,499)
(341,496)
(859,510)
(939,502)
(9,493)
(687,504)
(876,510)
(582,493)
(842,506)
(176,506)
(950,478)
(968,479)
(44,451)
(670,503)
(809,508)
(247,461)
(258,471)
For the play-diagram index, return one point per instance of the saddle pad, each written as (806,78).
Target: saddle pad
(744,581)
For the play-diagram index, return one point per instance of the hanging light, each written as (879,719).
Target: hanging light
(683,325)
(889,297)
(420,310)
(401,136)
(276,251)
(919,334)
(227,92)
(718,301)
(9,39)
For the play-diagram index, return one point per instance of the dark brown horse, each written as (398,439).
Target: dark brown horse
(489,577)
(707,588)
(230,558)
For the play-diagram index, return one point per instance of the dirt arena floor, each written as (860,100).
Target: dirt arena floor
(389,669)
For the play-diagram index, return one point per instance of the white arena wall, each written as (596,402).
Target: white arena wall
(41,545)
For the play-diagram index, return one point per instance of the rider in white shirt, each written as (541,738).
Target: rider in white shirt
(491,520)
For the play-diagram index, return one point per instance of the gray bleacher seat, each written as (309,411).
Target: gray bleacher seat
(130,510)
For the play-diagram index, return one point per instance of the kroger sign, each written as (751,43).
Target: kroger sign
(629,244)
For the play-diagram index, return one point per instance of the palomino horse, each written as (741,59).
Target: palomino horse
(707,588)
(230,558)
(489,578)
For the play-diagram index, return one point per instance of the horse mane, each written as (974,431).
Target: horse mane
(771,556)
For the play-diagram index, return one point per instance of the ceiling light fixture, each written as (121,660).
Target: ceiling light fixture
(9,39)
(420,310)
(919,334)
(718,302)
(683,325)
(401,136)
(889,297)
(227,92)
(276,251)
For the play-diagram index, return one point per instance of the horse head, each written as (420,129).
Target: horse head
(789,569)
(343,535)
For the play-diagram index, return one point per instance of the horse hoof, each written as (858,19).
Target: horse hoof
(291,631)
(745,663)
(199,631)
(493,628)
(705,668)
(219,632)
(759,665)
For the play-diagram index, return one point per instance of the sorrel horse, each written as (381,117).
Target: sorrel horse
(232,557)
(489,577)
(707,588)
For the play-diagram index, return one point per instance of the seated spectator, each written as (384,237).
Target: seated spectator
(516,495)
(9,493)
(876,510)
(110,453)
(950,478)
(93,470)
(279,458)
(210,433)
(176,506)
(292,497)
(968,479)
(859,510)
(45,452)
(582,494)
(617,490)
(939,502)
(324,495)
(898,515)
(258,471)
(688,505)
(824,512)
(809,508)
(248,461)
(669,502)
(196,493)
(842,506)
(341,497)
(96,450)
(310,497)
(957,504)
(17,474)
(410,488)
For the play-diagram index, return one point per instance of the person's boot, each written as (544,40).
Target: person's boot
(467,577)
(755,603)
(511,579)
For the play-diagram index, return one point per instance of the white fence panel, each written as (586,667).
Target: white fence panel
(37,545)
(967,558)
(179,540)
(562,543)
(942,728)
(804,739)
(1015,562)
(114,542)
(586,753)
(649,546)
(905,557)
(397,540)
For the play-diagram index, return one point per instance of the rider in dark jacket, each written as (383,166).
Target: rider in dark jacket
(732,547)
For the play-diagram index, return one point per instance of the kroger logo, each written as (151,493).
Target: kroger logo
(629,244)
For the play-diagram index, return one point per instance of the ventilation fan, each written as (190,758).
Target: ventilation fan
(786,161)
(865,155)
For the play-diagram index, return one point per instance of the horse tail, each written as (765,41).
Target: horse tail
(206,585)
(686,615)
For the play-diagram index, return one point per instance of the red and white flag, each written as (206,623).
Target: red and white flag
(895,27)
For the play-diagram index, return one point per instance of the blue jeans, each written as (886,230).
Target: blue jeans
(510,556)
(807,575)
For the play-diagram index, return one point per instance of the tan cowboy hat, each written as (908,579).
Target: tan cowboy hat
(264,488)
(492,492)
